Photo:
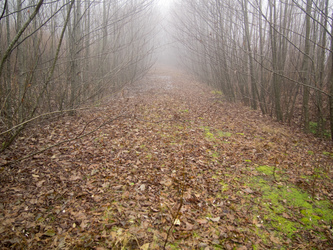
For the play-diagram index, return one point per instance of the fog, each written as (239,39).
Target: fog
(166,43)
(266,55)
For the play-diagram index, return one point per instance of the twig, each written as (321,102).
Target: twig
(63,142)
(160,121)
(36,117)
(85,126)
(181,201)
(173,222)
(274,173)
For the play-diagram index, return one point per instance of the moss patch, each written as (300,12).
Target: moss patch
(223,134)
(288,209)
(224,186)
(211,134)
(271,171)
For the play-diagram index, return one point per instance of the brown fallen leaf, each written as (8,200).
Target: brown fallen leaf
(275,239)
(189,226)
(40,183)
(202,221)
(248,190)
(75,178)
(217,219)
(145,246)
(50,232)
(285,215)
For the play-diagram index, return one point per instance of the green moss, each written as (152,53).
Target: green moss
(287,208)
(328,153)
(215,155)
(216,92)
(108,216)
(224,186)
(174,245)
(209,135)
(282,204)
(313,127)
(223,134)
(268,170)
(283,225)
(206,128)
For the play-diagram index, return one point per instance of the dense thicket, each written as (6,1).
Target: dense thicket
(59,55)
(273,55)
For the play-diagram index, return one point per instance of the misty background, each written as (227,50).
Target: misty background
(274,56)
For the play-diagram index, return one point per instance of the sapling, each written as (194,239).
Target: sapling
(181,190)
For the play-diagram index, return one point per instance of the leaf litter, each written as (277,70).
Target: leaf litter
(180,168)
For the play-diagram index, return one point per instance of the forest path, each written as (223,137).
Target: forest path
(178,165)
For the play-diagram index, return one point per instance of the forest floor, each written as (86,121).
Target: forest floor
(171,166)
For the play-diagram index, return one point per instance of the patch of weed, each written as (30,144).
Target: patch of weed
(216,92)
(108,216)
(313,127)
(173,245)
(223,134)
(328,153)
(268,170)
(289,209)
(215,155)
(224,186)
(314,130)
(209,135)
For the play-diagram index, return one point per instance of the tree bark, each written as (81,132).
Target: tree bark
(276,78)
(305,66)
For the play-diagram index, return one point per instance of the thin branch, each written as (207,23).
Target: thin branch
(18,35)
(39,116)
(66,141)
(4,9)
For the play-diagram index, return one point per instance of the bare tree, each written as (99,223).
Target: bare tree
(276,54)
(53,61)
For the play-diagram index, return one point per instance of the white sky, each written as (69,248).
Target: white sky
(165,3)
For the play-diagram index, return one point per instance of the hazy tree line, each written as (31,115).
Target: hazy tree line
(60,55)
(273,55)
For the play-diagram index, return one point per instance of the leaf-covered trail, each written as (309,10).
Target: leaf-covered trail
(180,168)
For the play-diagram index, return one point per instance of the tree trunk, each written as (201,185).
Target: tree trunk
(321,69)
(331,84)
(254,89)
(276,77)
(305,66)
(19,64)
